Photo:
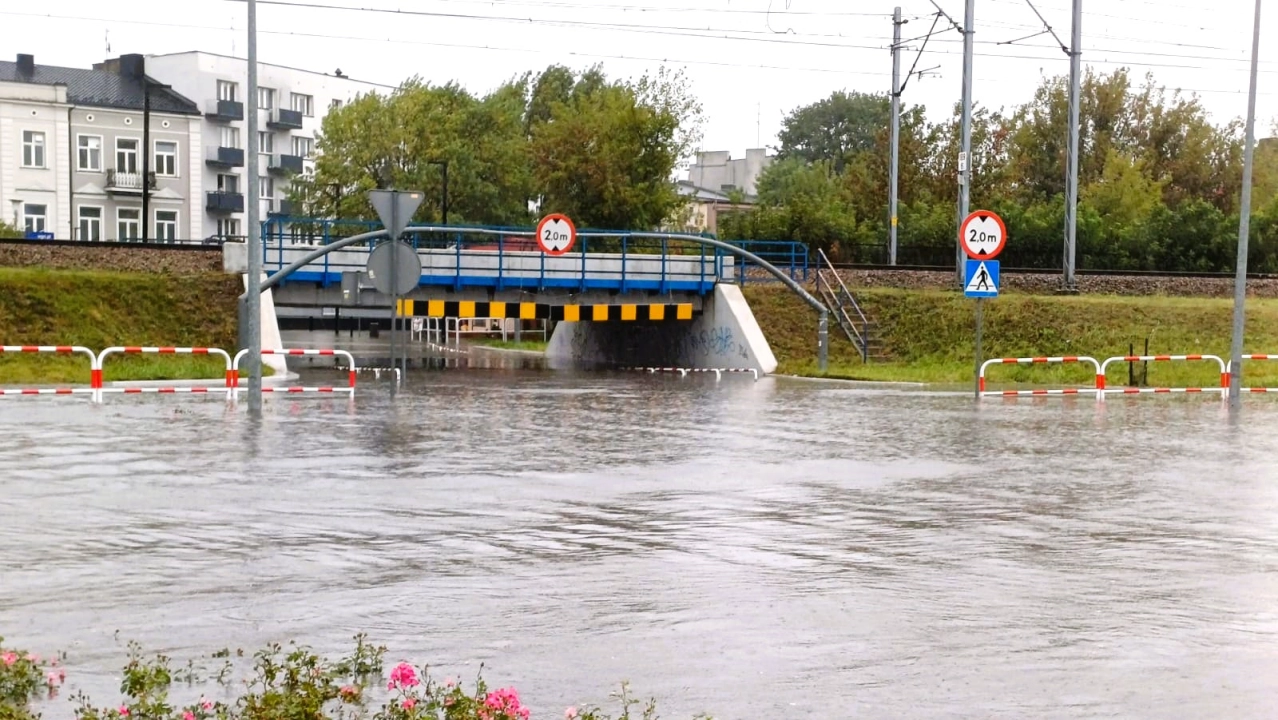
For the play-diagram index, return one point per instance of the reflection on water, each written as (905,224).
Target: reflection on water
(769,549)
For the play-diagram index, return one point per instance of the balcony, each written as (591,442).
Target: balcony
(285,164)
(225,157)
(225,202)
(224,110)
(282,119)
(285,208)
(126,183)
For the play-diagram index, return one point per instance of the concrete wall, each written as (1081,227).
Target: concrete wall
(725,335)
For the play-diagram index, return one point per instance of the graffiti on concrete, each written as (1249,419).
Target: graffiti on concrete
(718,341)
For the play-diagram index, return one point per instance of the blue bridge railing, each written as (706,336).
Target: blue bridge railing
(500,258)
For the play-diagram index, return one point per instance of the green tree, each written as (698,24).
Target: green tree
(9,231)
(607,156)
(835,129)
(399,141)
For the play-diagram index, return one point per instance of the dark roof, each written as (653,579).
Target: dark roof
(100,88)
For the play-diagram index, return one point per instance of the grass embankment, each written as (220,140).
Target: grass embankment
(929,336)
(522,345)
(100,309)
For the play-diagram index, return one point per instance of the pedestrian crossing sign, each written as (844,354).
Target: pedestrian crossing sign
(981,279)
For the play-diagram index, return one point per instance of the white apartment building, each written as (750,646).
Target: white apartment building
(716,171)
(292,104)
(75,146)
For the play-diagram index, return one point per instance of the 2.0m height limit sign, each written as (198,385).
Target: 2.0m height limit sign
(983,235)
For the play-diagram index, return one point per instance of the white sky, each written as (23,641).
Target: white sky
(798,53)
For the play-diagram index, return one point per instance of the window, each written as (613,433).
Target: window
(265,188)
(89,150)
(227,90)
(265,98)
(34,217)
(126,155)
(228,227)
(166,158)
(334,103)
(304,104)
(32,149)
(166,225)
(302,146)
(90,223)
(128,224)
(228,183)
(230,137)
(265,142)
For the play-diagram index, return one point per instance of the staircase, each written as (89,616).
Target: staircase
(836,296)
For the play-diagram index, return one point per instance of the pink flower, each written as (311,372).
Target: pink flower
(505,701)
(403,676)
(570,713)
(449,682)
(206,704)
(124,710)
(9,658)
(32,658)
(409,703)
(188,715)
(51,679)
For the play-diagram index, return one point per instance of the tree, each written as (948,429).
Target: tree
(9,231)
(835,129)
(606,154)
(399,141)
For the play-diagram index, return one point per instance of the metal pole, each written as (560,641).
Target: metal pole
(823,342)
(965,170)
(146,158)
(896,133)
(254,240)
(394,280)
(1244,229)
(980,328)
(444,211)
(1071,200)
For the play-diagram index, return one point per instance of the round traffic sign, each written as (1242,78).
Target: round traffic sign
(983,235)
(556,234)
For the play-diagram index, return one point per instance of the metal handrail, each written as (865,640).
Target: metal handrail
(860,338)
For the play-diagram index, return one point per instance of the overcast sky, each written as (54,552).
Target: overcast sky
(750,61)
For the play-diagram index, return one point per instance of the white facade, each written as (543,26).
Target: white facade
(716,170)
(286,140)
(35,181)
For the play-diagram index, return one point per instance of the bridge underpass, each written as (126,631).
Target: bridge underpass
(618,299)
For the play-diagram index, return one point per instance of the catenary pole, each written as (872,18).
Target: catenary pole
(896,134)
(1071,202)
(965,161)
(1244,229)
(253,306)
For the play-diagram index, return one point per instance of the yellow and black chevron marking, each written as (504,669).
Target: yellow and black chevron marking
(540,311)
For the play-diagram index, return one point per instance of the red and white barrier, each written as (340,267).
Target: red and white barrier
(95,371)
(228,382)
(1224,375)
(1068,359)
(299,352)
(683,372)
(1254,390)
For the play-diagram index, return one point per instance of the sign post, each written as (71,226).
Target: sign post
(982,236)
(397,269)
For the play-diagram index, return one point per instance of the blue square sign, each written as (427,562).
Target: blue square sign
(980,279)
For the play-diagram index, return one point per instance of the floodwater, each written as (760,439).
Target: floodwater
(770,549)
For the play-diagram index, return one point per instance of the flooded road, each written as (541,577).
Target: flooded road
(770,549)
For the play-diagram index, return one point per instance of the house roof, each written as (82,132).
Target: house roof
(100,88)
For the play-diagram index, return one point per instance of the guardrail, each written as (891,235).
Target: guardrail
(95,369)
(229,380)
(1100,389)
(1099,376)
(683,372)
(300,352)
(508,258)
(1224,375)
(1256,390)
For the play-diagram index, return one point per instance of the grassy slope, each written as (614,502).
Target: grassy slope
(929,335)
(101,309)
(524,345)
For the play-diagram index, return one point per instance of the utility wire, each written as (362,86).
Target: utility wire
(935,19)
(1048,26)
